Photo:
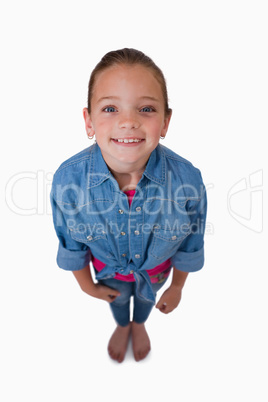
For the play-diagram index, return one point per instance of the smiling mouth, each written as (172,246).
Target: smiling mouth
(128,140)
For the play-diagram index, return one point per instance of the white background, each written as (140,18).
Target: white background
(54,337)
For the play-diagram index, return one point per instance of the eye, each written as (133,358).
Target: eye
(109,109)
(147,109)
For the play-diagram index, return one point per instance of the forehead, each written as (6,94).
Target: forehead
(127,79)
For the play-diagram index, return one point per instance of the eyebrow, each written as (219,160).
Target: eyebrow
(117,98)
(150,98)
(107,97)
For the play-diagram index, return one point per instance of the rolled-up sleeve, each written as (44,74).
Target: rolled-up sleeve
(72,255)
(190,255)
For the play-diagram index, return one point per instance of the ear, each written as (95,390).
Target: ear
(166,124)
(88,122)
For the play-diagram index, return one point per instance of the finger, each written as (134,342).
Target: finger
(166,309)
(113,294)
(161,306)
(112,297)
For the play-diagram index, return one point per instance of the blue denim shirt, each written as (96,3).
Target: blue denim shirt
(166,218)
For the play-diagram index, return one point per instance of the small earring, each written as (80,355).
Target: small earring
(90,137)
(162,137)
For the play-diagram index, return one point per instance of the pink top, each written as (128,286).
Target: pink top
(156,274)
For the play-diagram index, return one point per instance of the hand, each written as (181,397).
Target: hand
(104,292)
(169,300)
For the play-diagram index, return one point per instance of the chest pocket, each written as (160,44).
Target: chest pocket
(166,241)
(95,239)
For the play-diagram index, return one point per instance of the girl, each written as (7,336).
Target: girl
(130,206)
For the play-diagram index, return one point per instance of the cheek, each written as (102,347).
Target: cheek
(102,126)
(155,127)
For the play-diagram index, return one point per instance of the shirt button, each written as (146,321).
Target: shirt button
(137,232)
(121,270)
(173,237)
(89,238)
(138,209)
(131,272)
(121,211)
(137,256)
(123,255)
(122,233)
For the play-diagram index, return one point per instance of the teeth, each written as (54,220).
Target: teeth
(127,141)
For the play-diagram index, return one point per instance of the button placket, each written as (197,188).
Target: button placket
(122,235)
(136,235)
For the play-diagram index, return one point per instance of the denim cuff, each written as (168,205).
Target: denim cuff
(73,260)
(188,262)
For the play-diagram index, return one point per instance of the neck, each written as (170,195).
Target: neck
(126,174)
(127,181)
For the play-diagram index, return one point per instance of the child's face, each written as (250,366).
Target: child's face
(127,116)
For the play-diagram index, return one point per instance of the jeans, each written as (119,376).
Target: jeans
(121,305)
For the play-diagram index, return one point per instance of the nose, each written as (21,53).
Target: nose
(129,121)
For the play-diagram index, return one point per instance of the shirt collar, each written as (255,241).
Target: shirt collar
(156,166)
(98,170)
